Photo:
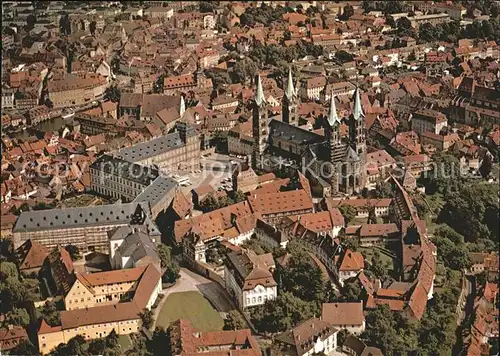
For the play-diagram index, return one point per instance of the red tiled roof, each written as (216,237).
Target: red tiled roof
(352,261)
(282,202)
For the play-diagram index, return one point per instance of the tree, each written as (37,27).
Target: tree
(219,78)
(352,290)
(381,329)
(330,296)
(171,273)
(404,26)
(347,13)
(165,254)
(50,313)
(25,347)
(209,203)
(378,267)
(158,85)
(207,6)
(389,20)
(244,69)
(74,252)
(75,346)
(349,212)
(160,342)
(30,22)
(343,56)
(282,313)
(92,28)
(113,94)
(446,231)
(239,196)
(472,211)
(383,190)
(18,316)
(454,256)
(372,216)
(147,318)
(302,277)
(486,166)
(8,269)
(234,321)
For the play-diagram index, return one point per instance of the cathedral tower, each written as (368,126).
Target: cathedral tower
(289,111)
(333,133)
(357,136)
(260,125)
(357,126)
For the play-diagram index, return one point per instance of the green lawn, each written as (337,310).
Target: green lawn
(125,342)
(191,306)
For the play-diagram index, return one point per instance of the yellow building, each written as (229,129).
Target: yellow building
(101,302)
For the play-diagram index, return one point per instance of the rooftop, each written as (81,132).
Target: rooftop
(112,214)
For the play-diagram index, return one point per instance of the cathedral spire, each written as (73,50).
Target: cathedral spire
(357,111)
(290,91)
(333,118)
(259,97)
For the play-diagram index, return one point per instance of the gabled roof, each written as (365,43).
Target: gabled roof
(343,313)
(352,261)
(31,255)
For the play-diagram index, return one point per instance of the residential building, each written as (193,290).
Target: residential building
(146,106)
(8,98)
(349,265)
(248,278)
(313,336)
(363,206)
(30,257)
(61,269)
(441,142)
(475,103)
(102,302)
(355,347)
(375,234)
(182,83)
(427,120)
(72,90)
(311,88)
(186,340)
(240,139)
(11,336)
(347,316)
(272,206)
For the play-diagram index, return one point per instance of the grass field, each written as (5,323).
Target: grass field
(125,342)
(191,306)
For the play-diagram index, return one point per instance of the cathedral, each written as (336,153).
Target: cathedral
(334,164)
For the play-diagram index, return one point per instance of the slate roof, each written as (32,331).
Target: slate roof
(160,187)
(157,146)
(126,170)
(293,133)
(111,214)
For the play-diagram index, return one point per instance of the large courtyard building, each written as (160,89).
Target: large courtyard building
(85,228)
(175,151)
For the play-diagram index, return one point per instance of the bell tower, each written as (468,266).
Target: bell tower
(357,126)
(260,125)
(289,110)
(333,133)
